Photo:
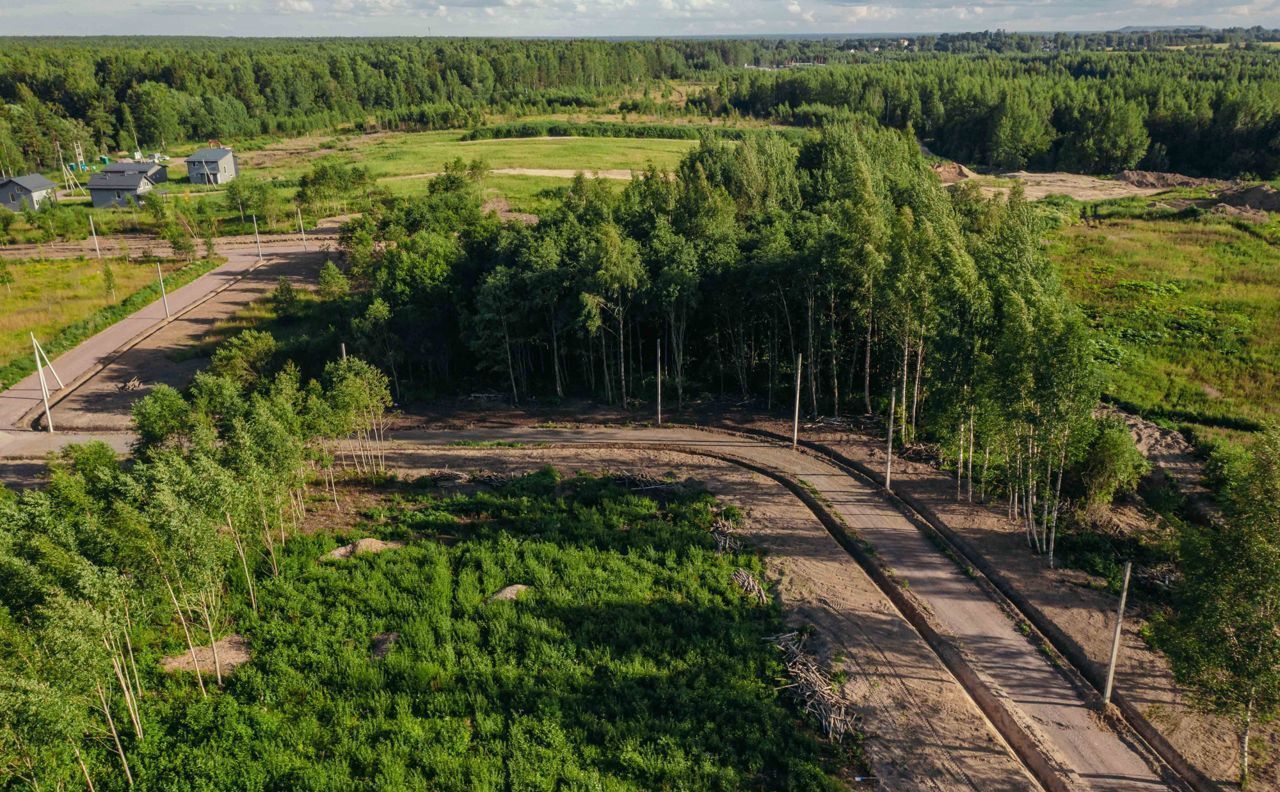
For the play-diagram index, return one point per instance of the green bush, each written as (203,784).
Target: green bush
(1113,464)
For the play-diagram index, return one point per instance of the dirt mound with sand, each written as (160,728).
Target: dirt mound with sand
(1259,197)
(233,651)
(952,172)
(509,593)
(1164,181)
(361,546)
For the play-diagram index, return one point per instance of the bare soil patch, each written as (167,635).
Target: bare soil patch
(382,644)
(1258,197)
(1075,185)
(233,651)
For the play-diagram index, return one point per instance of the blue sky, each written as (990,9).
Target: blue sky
(608,17)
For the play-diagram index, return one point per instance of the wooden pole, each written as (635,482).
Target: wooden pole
(795,417)
(302,230)
(164,296)
(44,384)
(94,230)
(888,456)
(659,345)
(257,238)
(1115,640)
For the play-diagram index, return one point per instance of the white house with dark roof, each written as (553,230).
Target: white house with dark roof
(118,189)
(25,192)
(211,166)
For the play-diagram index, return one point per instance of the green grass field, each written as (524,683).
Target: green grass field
(64,301)
(632,661)
(1188,313)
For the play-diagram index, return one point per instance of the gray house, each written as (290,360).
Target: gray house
(118,189)
(211,166)
(152,170)
(25,192)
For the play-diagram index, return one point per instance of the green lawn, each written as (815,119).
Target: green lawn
(1188,313)
(65,301)
(632,661)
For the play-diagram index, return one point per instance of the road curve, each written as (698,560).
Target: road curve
(1046,701)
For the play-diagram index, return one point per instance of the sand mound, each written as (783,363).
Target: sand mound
(361,546)
(509,593)
(1163,181)
(233,651)
(952,172)
(1261,197)
(383,644)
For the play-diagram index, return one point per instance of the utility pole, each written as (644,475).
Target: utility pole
(1115,640)
(302,230)
(795,418)
(659,345)
(44,383)
(257,238)
(888,457)
(164,296)
(93,230)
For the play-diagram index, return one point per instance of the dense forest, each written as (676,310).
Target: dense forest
(1092,104)
(1213,112)
(942,312)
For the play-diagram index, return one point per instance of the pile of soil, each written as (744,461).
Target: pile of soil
(1261,197)
(360,546)
(952,172)
(1164,181)
(233,651)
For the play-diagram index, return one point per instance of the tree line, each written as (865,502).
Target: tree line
(1211,113)
(1007,100)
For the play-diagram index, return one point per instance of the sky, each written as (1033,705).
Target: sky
(608,17)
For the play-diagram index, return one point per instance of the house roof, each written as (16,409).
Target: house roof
(209,155)
(132,167)
(117,181)
(32,182)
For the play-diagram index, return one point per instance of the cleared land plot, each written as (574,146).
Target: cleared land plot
(1188,314)
(411,153)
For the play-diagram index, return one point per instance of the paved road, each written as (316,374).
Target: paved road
(21,403)
(1096,757)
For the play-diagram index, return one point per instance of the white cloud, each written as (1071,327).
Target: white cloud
(617,17)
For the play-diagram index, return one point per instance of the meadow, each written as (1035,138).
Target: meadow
(1188,314)
(632,661)
(64,301)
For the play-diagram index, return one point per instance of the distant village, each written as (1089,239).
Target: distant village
(122,183)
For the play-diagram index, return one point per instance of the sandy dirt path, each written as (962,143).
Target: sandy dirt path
(1052,709)
(922,732)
